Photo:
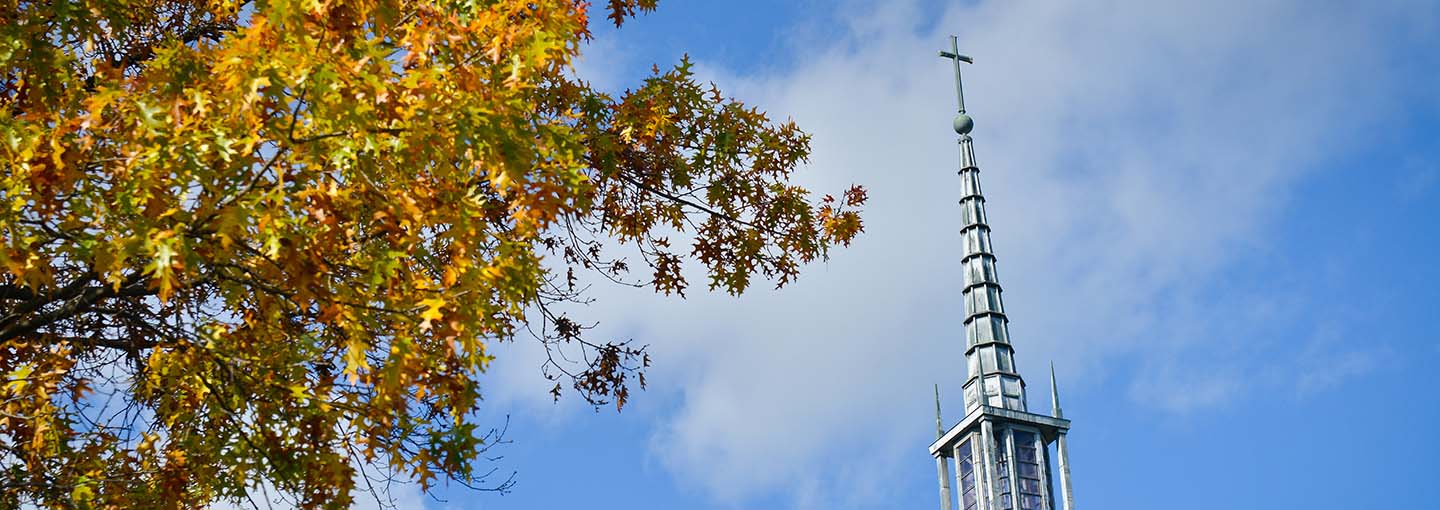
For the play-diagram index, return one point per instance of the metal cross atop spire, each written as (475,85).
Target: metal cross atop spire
(955,56)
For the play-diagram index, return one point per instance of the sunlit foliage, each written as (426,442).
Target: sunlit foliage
(256,246)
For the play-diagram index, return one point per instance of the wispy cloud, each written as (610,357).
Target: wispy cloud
(1328,360)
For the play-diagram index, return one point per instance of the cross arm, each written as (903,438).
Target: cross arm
(957,56)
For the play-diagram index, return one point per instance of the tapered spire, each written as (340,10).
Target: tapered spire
(992,380)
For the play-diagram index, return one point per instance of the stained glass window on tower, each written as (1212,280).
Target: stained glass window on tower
(965,458)
(1027,466)
(1002,471)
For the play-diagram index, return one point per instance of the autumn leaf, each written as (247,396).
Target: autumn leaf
(432,312)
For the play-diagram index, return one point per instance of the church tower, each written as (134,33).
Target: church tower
(1000,452)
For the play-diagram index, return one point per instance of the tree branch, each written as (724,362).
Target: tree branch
(87,296)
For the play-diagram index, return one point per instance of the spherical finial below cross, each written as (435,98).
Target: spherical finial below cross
(963,124)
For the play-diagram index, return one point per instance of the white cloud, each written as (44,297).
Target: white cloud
(1131,151)
(1326,362)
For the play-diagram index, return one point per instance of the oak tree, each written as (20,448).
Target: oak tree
(258,246)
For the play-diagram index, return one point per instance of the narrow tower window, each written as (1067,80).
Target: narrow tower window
(1027,465)
(1002,470)
(966,460)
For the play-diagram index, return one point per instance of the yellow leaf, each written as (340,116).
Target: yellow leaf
(298,391)
(432,312)
(19,378)
(82,494)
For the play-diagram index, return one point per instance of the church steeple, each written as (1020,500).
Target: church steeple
(1001,452)
(988,353)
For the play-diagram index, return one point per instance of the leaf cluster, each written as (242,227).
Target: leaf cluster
(266,247)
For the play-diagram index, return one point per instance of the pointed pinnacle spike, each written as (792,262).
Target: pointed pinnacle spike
(939,423)
(1054,393)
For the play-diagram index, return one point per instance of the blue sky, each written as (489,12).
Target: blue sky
(1219,219)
